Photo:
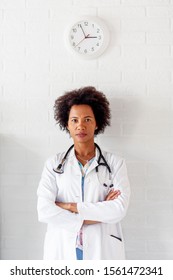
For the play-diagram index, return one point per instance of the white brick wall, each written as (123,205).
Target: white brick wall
(136,73)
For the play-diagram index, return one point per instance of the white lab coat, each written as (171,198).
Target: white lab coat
(100,240)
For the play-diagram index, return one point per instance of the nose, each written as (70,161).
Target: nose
(80,125)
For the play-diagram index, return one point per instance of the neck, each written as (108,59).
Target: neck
(84,150)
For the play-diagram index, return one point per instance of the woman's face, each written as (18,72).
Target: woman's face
(82,123)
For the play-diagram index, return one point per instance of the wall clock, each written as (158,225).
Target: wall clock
(88,37)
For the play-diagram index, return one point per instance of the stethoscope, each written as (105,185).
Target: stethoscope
(60,168)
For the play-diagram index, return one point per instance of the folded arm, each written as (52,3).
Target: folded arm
(48,212)
(112,209)
(72,207)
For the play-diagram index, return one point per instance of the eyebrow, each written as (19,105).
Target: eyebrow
(84,117)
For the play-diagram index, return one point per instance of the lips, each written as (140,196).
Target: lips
(81,135)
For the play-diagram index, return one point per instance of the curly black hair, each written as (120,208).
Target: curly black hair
(88,96)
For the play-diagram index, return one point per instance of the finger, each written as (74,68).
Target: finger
(110,197)
(113,194)
(113,197)
(115,191)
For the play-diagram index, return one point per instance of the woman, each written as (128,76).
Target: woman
(83,194)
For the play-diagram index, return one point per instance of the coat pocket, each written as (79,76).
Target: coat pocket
(116,237)
(113,248)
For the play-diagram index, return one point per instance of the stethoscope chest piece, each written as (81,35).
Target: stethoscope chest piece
(59,169)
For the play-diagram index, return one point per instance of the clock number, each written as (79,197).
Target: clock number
(86,37)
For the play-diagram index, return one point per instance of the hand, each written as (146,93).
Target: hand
(113,194)
(72,207)
(88,222)
(63,205)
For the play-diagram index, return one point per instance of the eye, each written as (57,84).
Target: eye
(87,120)
(74,120)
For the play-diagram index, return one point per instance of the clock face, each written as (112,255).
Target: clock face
(88,38)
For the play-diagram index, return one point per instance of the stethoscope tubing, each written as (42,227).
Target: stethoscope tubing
(60,169)
(102,157)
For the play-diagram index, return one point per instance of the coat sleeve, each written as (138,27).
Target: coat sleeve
(48,211)
(111,211)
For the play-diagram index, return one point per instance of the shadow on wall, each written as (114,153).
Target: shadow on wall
(150,167)
(141,133)
(21,235)
(125,118)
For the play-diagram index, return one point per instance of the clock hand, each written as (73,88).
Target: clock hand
(91,37)
(82,31)
(82,40)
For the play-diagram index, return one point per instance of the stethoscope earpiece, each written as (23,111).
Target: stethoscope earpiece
(106,186)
